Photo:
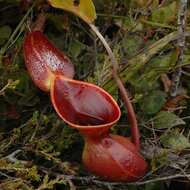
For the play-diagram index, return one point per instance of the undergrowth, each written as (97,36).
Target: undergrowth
(38,150)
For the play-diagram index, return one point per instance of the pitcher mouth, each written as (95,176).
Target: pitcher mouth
(83,105)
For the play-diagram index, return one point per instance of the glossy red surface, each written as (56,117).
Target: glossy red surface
(83,104)
(92,111)
(86,107)
(44,60)
(113,157)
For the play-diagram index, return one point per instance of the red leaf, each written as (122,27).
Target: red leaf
(44,60)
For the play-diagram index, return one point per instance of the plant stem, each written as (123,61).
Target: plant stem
(141,20)
(158,24)
(40,22)
(181,43)
(133,121)
(5,87)
(3,50)
(12,157)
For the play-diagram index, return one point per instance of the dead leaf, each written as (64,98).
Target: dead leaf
(166,82)
(84,8)
(175,102)
(13,112)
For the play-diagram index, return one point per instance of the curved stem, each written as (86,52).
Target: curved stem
(133,121)
(40,22)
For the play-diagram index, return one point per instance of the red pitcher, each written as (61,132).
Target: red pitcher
(85,107)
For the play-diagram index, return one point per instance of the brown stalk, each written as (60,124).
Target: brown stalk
(133,121)
(40,22)
(181,46)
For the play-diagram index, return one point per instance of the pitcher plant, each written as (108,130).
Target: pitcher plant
(85,107)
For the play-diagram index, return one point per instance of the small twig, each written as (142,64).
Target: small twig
(185,73)
(142,20)
(5,175)
(16,38)
(94,180)
(88,179)
(49,172)
(165,178)
(6,86)
(8,181)
(158,24)
(133,121)
(37,126)
(181,43)
(12,157)
(34,133)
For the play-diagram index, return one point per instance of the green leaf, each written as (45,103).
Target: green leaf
(75,48)
(46,179)
(135,64)
(127,3)
(165,61)
(186,58)
(84,9)
(127,22)
(155,186)
(158,66)
(142,84)
(24,80)
(166,120)
(29,99)
(153,102)
(11,98)
(5,33)
(130,46)
(175,140)
(165,14)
